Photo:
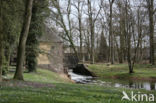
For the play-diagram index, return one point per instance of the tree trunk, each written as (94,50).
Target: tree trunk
(121,56)
(151,27)
(129,29)
(91,24)
(80,30)
(1,38)
(111,34)
(129,49)
(130,64)
(22,43)
(121,26)
(1,56)
(92,45)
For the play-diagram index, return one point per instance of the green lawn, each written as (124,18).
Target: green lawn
(43,76)
(59,91)
(63,93)
(120,71)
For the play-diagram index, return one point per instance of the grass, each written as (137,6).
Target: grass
(62,91)
(42,76)
(120,71)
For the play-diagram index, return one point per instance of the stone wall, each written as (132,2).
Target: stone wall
(51,56)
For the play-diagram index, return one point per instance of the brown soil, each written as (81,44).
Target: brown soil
(149,79)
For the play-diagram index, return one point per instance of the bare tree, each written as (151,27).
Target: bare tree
(87,38)
(122,22)
(69,19)
(121,31)
(128,35)
(91,24)
(92,21)
(105,26)
(150,6)
(57,16)
(79,7)
(22,42)
(111,33)
(140,16)
(102,48)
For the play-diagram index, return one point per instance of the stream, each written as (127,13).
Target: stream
(120,84)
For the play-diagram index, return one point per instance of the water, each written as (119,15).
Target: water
(80,78)
(128,84)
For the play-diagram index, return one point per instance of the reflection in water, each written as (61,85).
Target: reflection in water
(130,84)
(147,86)
(152,86)
(140,85)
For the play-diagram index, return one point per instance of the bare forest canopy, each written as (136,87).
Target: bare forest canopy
(107,30)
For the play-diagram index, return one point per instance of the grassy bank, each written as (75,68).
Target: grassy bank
(49,87)
(120,71)
(43,76)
